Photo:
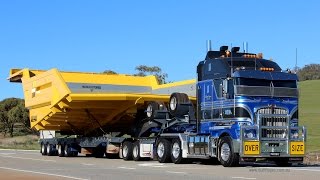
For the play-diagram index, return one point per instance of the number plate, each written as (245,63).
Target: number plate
(251,147)
(297,148)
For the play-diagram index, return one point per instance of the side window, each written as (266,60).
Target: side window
(218,87)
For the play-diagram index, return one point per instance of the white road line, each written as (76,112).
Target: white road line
(242,178)
(22,150)
(6,154)
(42,173)
(29,158)
(176,172)
(87,164)
(122,167)
(156,165)
(294,169)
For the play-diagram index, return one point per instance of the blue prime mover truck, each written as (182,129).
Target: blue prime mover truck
(244,109)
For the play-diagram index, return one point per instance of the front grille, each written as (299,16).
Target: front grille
(274,133)
(271,110)
(273,122)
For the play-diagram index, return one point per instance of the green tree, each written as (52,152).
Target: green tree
(12,111)
(144,70)
(109,72)
(309,72)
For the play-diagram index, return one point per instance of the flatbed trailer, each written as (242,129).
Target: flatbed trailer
(88,108)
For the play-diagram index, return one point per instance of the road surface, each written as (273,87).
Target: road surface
(17,164)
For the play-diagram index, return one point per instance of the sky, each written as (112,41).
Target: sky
(118,35)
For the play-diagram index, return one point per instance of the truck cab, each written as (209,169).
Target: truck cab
(249,106)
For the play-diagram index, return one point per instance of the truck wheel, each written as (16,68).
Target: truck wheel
(227,156)
(163,151)
(177,105)
(50,150)
(176,152)
(136,151)
(99,152)
(43,149)
(60,150)
(153,107)
(127,150)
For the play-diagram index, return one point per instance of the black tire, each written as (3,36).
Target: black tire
(176,104)
(153,107)
(283,162)
(43,149)
(227,156)
(75,153)
(60,150)
(67,152)
(136,151)
(99,152)
(50,150)
(127,150)
(163,151)
(176,152)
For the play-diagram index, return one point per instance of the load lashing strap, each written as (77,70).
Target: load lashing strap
(91,117)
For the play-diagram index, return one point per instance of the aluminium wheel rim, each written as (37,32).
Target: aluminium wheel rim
(176,150)
(225,152)
(66,150)
(160,150)
(149,110)
(125,151)
(48,148)
(42,148)
(135,151)
(173,103)
(59,149)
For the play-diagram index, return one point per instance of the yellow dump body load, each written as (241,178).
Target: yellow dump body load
(82,102)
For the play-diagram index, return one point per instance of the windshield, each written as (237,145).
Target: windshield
(262,87)
(263,82)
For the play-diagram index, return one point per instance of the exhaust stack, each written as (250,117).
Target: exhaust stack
(208,45)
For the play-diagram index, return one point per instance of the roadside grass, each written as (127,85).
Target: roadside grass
(29,142)
(309,113)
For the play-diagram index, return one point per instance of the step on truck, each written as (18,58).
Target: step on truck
(241,108)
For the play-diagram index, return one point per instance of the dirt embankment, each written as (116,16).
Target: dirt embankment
(312,158)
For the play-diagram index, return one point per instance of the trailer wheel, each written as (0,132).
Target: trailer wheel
(50,150)
(67,152)
(60,150)
(99,152)
(177,105)
(136,151)
(127,150)
(43,149)
(176,152)
(163,151)
(74,153)
(227,156)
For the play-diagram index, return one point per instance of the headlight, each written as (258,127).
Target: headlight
(250,133)
(294,134)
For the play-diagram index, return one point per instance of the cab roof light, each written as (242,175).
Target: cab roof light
(266,69)
(249,56)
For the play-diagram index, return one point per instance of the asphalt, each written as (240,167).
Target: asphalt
(16,164)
